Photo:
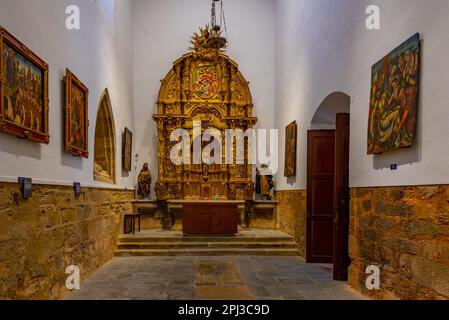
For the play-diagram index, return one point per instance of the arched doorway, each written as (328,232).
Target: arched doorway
(104,152)
(324,118)
(328,185)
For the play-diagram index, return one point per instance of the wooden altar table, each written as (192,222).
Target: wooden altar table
(209,217)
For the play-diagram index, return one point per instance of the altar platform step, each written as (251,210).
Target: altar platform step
(206,252)
(173,243)
(206,245)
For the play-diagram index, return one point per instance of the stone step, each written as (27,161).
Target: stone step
(199,245)
(205,252)
(137,239)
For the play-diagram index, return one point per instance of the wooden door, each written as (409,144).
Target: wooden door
(342,198)
(320,196)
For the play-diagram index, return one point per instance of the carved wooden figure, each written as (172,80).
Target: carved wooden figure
(144,181)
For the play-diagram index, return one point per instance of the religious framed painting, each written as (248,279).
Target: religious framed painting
(23,91)
(76,113)
(127,150)
(393,107)
(291,133)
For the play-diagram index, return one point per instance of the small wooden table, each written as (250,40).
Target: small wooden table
(130,222)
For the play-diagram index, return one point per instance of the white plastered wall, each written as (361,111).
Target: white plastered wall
(100,54)
(323,46)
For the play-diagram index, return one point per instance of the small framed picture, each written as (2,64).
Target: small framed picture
(23,91)
(127,149)
(291,133)
(76,116)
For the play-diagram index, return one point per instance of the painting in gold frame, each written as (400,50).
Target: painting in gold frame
(23,91)
(291,133)
(76,119)
(127,150)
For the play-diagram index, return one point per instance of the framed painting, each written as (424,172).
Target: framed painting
(76,121)
(23,91)
(291,133)
(127,150)
(394,98)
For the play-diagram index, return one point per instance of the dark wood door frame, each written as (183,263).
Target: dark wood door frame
(342,198)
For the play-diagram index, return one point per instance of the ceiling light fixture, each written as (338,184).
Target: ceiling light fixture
(216,40)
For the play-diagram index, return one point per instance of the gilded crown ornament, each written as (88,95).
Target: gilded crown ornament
(209,39)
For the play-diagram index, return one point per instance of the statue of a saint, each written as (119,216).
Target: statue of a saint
(144,181)
(264,182)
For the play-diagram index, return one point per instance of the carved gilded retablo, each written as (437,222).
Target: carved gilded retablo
(204,85)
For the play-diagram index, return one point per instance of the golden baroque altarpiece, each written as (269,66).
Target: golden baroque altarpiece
(204,85)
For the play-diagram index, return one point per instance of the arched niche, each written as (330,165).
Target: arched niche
(324,118)
(104,151)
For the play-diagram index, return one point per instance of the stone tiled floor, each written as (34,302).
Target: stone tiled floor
(216,278)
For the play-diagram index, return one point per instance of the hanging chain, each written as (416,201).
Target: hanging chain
(213,20)
(221,15)
(224,21)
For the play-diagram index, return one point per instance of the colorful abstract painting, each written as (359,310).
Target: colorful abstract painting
(24,91)
(394,98)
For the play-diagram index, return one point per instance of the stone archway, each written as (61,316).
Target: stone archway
(104,151)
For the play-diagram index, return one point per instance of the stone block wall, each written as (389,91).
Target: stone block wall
(41,236)
(265,215)
(292,213)
(404,231)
